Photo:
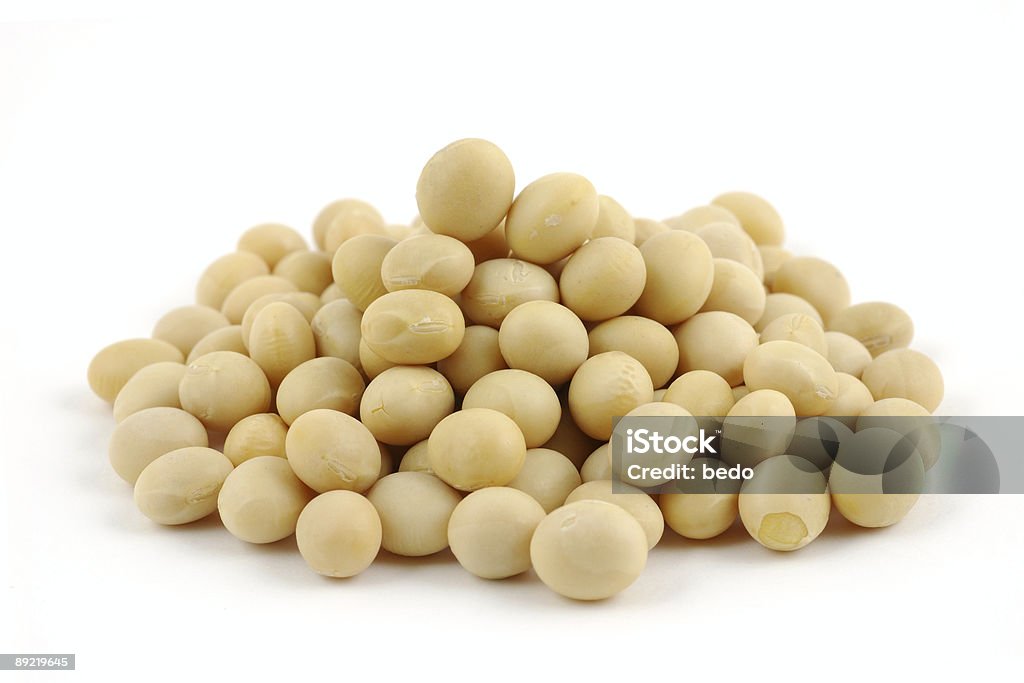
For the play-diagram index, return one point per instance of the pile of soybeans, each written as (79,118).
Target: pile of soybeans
(453,382)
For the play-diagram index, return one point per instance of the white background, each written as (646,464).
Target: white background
(134,149)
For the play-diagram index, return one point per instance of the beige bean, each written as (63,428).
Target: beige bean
(879,326)
(151,387)
(715,341)
(872,510)
(631,499)
(772,257)
(271,242)
(224,339)
(699,216)
(524,397)
(403,404)
(356,267)
(401,232)
(242,296)
(703,508)
(871,488)
(339,533)
(603,278)
(329,450)
(646,228)
(490,530)
(352,212)
(544,338)
(905,373)
(413,327)
(417,459)
(114,365)
(280,341)
(736,289)
(336,331)
(261,500)
(817,281)
(222,387)
(759,426)
(490,246)
(598,465)
(310,271)
(659,394)
(476,447)
(699,516)
(414,510)
(799,328)
(181,486)
(465,189)
(701,393)
(846,354)
(557,267)
(500,285)
(186,325)
(605,386)
(307,304)
(320,383)
(613,221)
(332,292)
(725,240)
(680,273)
(226,273)
(786,504)
(551,217)
(372,364)
(894,407)
(852,398)
(144,436)
(589,550)
(435,262)
(477,355)
(387,460)
(759,219)
(255,436)
(547,476)
(647,341)
(350,223)
(778,305)
(569,439)
(803,375)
